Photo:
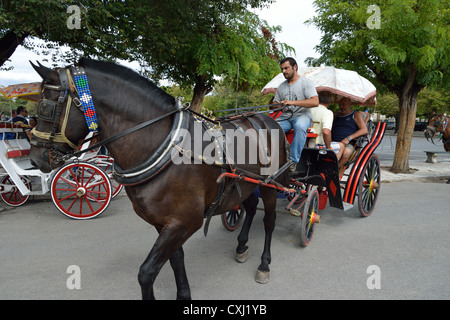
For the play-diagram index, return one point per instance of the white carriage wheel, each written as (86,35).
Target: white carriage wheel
(105,163)
(14,197)
(81,190)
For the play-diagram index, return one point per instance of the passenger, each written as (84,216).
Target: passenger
(33,124)
(299,95)
(20,119)
(348,125)
(323,118)
(21,115)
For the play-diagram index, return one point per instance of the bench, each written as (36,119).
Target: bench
(432,155)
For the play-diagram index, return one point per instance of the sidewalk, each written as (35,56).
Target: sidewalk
(421,171)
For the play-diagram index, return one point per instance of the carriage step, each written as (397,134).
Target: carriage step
(347,206)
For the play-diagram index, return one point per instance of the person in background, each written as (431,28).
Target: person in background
(33,124)
(21,119)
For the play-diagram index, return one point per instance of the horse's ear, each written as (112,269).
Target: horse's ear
(47,74)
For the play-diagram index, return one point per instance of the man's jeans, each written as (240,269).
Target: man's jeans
(300,124)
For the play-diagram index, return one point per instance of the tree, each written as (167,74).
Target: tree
(191,42)
(194,43)
(405,50)
(101,31)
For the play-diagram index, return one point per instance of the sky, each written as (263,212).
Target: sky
(289,14)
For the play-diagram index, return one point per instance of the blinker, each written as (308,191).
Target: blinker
(46,109)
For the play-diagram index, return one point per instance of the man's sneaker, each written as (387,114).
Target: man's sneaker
(293,167)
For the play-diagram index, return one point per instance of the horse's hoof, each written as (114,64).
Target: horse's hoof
(242,257)
(262,276)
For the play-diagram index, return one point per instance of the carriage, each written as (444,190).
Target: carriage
(82,189)
(319,179)
(159,188)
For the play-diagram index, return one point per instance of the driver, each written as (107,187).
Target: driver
(298,94)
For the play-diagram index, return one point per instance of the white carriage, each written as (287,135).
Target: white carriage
(82,189)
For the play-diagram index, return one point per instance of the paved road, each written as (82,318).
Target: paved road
(407,238)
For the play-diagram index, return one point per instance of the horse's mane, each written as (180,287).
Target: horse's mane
(147,86)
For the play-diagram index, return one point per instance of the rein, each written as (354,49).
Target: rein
(122,134)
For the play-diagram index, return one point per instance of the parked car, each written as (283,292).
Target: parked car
(420,126)
(390,125)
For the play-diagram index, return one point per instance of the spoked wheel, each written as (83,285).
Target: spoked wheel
(309,217)
(13,197)
(105,163)
(369,186)
(81,190)
(233,218)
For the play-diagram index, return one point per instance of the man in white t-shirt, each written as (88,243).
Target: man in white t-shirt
(323,122)
(299,95)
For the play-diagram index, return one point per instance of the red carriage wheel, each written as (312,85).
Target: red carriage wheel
(232,219)
(310,217)
(13,197)
(81,190)
(106,163)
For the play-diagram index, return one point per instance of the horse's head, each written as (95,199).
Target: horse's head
(436,123)
(61,125)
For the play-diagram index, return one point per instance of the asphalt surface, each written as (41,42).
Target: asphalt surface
(403,249)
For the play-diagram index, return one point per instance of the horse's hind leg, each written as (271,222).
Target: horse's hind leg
(250,205)
(167,246)
(269,197)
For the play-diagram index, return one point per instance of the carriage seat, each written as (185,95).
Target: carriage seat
(310,137)
(12,140)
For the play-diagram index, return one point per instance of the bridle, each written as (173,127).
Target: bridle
(438,126)
(50,111)
(77,92)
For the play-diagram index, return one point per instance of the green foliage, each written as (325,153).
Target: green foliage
(203,40)
(413,35)
(7,105)
(223,97)
(103,32)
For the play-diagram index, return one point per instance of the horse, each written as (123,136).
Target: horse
(438,123)
(140,124)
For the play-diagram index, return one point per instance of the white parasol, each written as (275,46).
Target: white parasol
(344,83)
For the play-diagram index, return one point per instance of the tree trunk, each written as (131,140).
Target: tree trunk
(201,89)
(407,119)
(8,45)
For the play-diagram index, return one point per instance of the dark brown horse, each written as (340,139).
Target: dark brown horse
(174,198)
(438,124)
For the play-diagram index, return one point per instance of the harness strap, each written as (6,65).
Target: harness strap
(124,133)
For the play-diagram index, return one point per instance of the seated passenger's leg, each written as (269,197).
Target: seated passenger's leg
(345,155)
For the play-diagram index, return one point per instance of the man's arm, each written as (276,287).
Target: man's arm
(307,103)
(362,128)
(326,133)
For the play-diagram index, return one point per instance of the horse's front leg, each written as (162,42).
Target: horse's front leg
(167,246)
(177,263)
(269,197)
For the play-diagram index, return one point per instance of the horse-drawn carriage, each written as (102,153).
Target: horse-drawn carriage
(82,189)
(177,197)
(318,179)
